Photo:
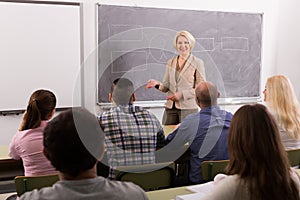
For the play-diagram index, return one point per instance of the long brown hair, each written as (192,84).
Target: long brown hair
(40,106)
(258,156)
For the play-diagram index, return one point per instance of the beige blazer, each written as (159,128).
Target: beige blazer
(191,74)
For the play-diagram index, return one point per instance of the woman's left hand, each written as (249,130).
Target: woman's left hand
(175,97)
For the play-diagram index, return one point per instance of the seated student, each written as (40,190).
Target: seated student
(27,144)
(206,131)
(258,166)
(72,142)
(282,101)
(132,134)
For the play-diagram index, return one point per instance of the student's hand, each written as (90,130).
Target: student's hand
(176,126)
(151,83)
(23,122)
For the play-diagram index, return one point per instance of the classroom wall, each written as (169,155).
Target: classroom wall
(270,8)
(288,47)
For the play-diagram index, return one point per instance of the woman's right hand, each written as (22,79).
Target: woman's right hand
(151,83)
(22,122)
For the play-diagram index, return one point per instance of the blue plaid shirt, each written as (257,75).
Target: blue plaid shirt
(132,134)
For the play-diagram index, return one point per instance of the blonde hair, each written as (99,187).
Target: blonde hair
(187,35)
(281,99)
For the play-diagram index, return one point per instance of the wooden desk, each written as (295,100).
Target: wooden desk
(4,196)
(9,168)
(167,194)
(298,171)
(169,129)
(4,152)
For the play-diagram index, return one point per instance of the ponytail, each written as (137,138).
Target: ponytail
(40,106)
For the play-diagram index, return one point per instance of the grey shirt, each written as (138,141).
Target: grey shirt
(88,189)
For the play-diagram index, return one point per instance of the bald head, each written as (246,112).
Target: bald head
(206,94)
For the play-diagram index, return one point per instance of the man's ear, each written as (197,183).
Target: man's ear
(133,97)
(45,153)
(197,101)
(110,97)
(51,114)
(218,95)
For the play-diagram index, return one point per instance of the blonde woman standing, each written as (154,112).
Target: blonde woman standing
(281,100)
(183,73)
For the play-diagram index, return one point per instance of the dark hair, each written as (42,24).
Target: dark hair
(207,93)
(73,141)
(122,90)
(40,106)
(258,156)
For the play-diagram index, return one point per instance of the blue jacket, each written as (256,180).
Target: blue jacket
(207,134)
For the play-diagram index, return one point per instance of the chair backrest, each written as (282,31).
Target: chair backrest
(27,183)
(149,177)
(294,157)
(210,169)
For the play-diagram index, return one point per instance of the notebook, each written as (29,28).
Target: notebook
(194,196)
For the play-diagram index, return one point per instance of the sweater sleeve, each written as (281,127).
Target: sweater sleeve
(12,150)
(224,189)
(165,85)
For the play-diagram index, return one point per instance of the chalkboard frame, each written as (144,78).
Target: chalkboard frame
(160,102)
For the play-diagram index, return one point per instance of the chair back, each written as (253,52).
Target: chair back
(294,157)
(210,169)
(149,177)
(27,183)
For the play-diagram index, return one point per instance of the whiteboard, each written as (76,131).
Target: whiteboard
(39,49)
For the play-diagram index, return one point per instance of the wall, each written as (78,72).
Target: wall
(9,124)
(288,49)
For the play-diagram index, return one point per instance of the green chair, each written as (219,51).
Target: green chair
(294,157)
(27,183)
(149,177)
(210,169)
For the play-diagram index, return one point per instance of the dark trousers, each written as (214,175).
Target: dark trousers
(175,116)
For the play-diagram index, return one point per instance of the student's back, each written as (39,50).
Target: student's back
(132,134)
(88,189)
(72,142)
(205,131)
(27,143)
(28,146)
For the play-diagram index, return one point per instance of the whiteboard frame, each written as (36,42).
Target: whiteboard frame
(81,52)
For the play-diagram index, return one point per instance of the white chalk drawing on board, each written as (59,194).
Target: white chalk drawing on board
(235,43)
(159,41)
(119,28)
(139,77)
(204,44)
